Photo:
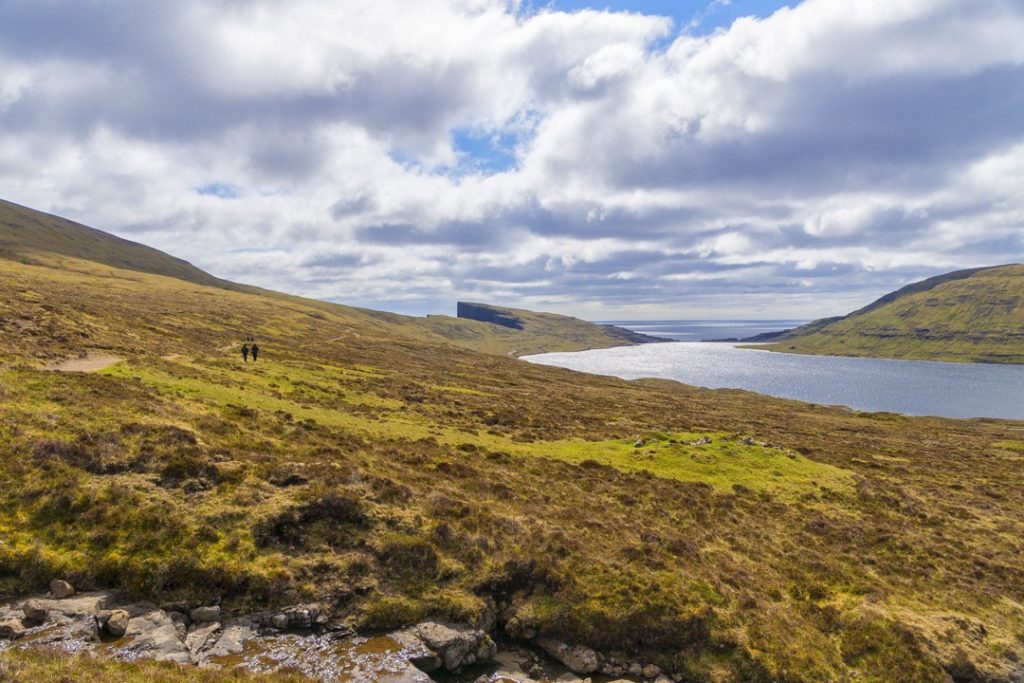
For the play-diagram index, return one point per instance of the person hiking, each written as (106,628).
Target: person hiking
(245,353)
(255,351)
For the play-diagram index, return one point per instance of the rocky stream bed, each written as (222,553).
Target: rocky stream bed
(300,639)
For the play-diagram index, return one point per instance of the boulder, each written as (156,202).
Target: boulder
(199,636)
(457,646)
(180,621)
(61,589)
(11,629)
(231,641)
(35,612)
(577,658)
(117,623)
(205,615)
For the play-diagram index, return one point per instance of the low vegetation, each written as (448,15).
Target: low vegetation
(378,469)
(974,316)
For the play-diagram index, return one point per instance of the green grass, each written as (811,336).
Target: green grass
(372,466)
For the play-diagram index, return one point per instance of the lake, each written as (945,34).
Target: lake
(959,390)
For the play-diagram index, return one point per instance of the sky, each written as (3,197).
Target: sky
(705,159)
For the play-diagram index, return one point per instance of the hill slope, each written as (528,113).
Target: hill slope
(972,315)
(31,236)
(381,472)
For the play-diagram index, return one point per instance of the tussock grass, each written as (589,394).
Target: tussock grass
(367,465)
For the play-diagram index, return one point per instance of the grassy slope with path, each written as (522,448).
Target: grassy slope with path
(373,466)
(967,316)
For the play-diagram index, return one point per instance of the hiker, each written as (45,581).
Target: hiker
(255,351)
(245,353)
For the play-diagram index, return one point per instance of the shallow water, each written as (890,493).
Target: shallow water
(961,390)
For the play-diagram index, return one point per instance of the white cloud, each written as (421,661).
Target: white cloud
(840,144)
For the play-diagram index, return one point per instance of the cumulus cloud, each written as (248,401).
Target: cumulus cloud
(596,162)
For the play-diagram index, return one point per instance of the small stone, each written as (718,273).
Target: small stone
(61,589)
(117,623)
(279,621)
(639,443)
(650,672)
(206,614)
(34,611)
(11,629)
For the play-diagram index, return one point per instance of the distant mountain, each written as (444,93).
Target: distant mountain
(974,315)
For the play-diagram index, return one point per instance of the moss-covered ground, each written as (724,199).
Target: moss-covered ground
(373,467)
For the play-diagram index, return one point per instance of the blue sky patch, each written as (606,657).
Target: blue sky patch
(699,16)
(222,190)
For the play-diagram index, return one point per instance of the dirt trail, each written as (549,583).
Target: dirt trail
(93,362)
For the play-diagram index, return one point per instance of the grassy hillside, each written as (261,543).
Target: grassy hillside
(372,466)
(967,316)
(31,236)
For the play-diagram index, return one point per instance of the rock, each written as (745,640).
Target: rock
(457,646)
(180,621)
(61,589)
(231,641)
(650,672)
(35,612)
(112,622)
(635,669)
(663,679)
(279,621)
(205,615)
(639,443)
(117,624)
(577,658)
(153,634)
(199,636)
(11,629)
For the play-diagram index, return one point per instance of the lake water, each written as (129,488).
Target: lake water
(910,387)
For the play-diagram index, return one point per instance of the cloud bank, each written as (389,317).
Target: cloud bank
(403,155)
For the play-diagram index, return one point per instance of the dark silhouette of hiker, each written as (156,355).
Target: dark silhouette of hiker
(255,351)
(245,353)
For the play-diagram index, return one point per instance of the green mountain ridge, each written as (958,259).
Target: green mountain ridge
(973,315)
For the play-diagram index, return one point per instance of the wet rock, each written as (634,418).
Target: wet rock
(200,635)
(231,641)
(577,658)
(11,629)
(180,621)
(61,589)
(35,612)
(113,622)
(457,646)
(206,614)
(151,633)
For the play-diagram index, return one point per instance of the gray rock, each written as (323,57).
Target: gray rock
(231,641)
(180,621)
(117,623)
(279,621)
(35,612)
(61,589)
(577,658)
(11,629)
(199,636)
(153,634)
(457,646)
(206,614)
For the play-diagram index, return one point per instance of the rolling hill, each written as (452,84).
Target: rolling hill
(369,465)
(972,315)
